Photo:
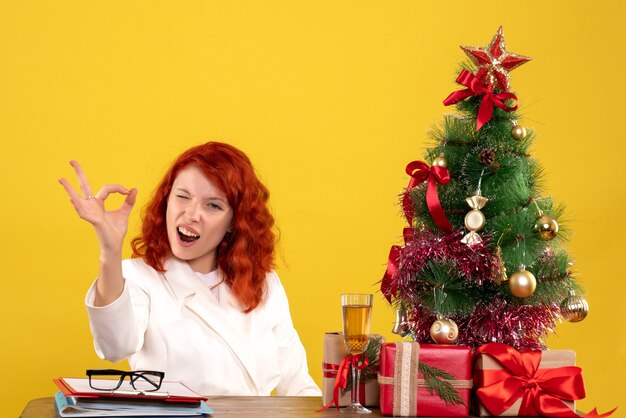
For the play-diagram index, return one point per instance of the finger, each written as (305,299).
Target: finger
(75,199)
(107,189)
(73,194)
(85,187)
(131,198)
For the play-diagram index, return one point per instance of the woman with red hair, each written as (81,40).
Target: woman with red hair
(199,299)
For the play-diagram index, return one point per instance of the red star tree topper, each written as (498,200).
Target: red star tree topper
(494,62)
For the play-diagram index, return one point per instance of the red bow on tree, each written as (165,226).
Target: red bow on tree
(475,87)
(542,390)
(389,286)
(420,171)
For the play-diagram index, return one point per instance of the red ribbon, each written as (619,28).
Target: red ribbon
(330,369)
(341,381)
(476,87)
(542,390)
(420,171)
(389,286)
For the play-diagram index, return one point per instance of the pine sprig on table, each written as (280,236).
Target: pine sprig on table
(437,381)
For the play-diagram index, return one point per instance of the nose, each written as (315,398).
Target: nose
(192,212)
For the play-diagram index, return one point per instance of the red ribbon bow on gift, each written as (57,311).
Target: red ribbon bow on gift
(420,171)
(542,390)
(476,87)
(341,381)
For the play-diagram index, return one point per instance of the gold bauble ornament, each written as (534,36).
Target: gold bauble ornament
(574,308)
(518,132)
(444,331)
(522,283)
(546,227)
(440,162)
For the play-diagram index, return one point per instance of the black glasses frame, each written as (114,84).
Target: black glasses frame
(152,377)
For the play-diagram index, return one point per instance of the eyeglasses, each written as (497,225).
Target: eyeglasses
(111,379)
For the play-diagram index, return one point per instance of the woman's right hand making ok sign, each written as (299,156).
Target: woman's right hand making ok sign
(110,225)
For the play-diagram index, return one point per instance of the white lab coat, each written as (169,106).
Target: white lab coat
(173,322)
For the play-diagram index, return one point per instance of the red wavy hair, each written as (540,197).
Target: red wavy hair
(246,254)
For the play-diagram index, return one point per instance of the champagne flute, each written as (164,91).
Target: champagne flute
(357,323)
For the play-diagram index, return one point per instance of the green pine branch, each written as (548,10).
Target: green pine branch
(437,381)
(371,370)
(444,291)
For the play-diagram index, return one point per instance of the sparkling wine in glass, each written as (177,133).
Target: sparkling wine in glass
(357,324)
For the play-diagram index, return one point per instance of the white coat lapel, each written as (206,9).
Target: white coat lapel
(187,288)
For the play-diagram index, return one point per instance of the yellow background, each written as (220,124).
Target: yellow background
(330,99)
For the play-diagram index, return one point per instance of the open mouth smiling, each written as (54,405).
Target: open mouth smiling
(187,235)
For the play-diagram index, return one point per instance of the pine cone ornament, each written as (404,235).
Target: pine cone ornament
(487,157)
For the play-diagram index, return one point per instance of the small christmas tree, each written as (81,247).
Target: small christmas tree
(483,258)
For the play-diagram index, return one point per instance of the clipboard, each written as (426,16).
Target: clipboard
(169,391)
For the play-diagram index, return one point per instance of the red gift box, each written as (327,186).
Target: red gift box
(405,392)
(513,383)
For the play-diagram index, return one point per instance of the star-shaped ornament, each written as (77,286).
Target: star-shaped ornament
(494,62)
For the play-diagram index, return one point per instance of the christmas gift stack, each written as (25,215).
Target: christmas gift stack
(483,261)
(436,380)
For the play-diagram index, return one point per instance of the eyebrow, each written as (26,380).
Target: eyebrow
(180,189)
